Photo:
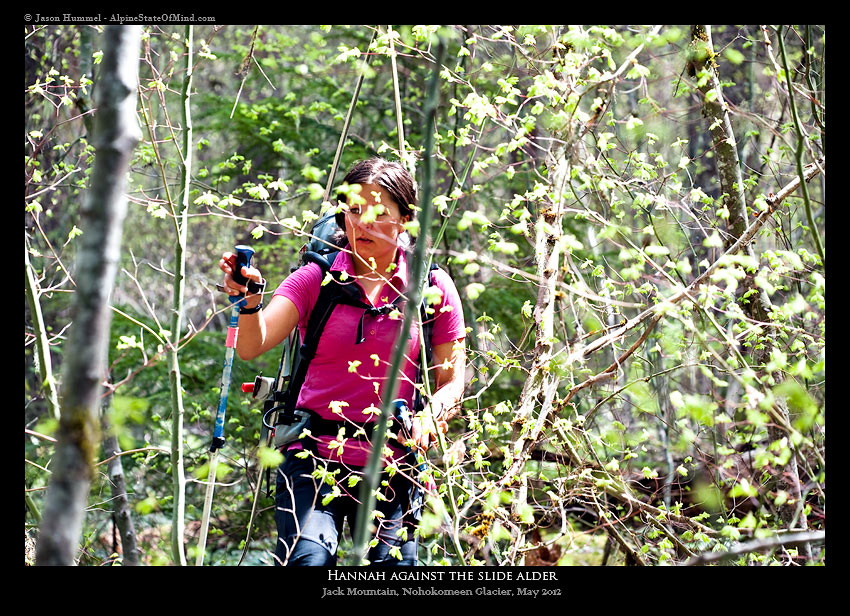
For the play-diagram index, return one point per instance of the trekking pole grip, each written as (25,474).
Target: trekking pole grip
(244,254)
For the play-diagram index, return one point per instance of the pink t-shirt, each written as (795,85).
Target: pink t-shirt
(345,380)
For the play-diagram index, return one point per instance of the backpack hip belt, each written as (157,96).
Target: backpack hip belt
(290,425)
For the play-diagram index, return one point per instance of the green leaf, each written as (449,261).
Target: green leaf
(733,55)
(743,489)
(269,457)
(649,473)
(474,290)
(147,505)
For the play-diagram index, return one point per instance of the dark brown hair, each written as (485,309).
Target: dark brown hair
(389,175)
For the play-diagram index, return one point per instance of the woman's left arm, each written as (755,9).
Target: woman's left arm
(449,365)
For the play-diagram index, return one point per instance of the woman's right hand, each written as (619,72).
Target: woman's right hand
(227,264)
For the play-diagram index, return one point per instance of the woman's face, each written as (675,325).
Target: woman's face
(373,223)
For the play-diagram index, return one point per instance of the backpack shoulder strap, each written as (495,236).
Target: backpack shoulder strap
(329,295)
(323,260)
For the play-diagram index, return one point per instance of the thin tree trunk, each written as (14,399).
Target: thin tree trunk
(118,486)
(41,353)
(178,477)
(116,135)
(798,155)
(417,269)
(541,384)
(758,307)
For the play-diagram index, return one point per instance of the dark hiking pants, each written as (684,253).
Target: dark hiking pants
(309,530)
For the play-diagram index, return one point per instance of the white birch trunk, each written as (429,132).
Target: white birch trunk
(116,135)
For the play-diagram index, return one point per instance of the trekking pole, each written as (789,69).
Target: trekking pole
(243,258)
(261,387)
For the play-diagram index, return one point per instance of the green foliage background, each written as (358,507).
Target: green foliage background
(684,423)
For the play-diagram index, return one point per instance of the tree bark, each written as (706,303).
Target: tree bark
(542,382)
(182,229)
(758,305)
(116,135)
(118,486)
(41,352)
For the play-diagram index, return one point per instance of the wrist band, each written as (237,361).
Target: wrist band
(256,287)
(256,308)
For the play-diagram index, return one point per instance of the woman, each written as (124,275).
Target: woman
(344,383)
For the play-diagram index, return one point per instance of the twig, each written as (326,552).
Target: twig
(355,95)
(801,141)
(243,69)
(398,117)
(124,453)
(43,437)
(772,202)
(754,546)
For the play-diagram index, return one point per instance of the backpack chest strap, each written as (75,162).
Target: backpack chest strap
(373,311)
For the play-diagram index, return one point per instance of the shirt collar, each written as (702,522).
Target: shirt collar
(344,262)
